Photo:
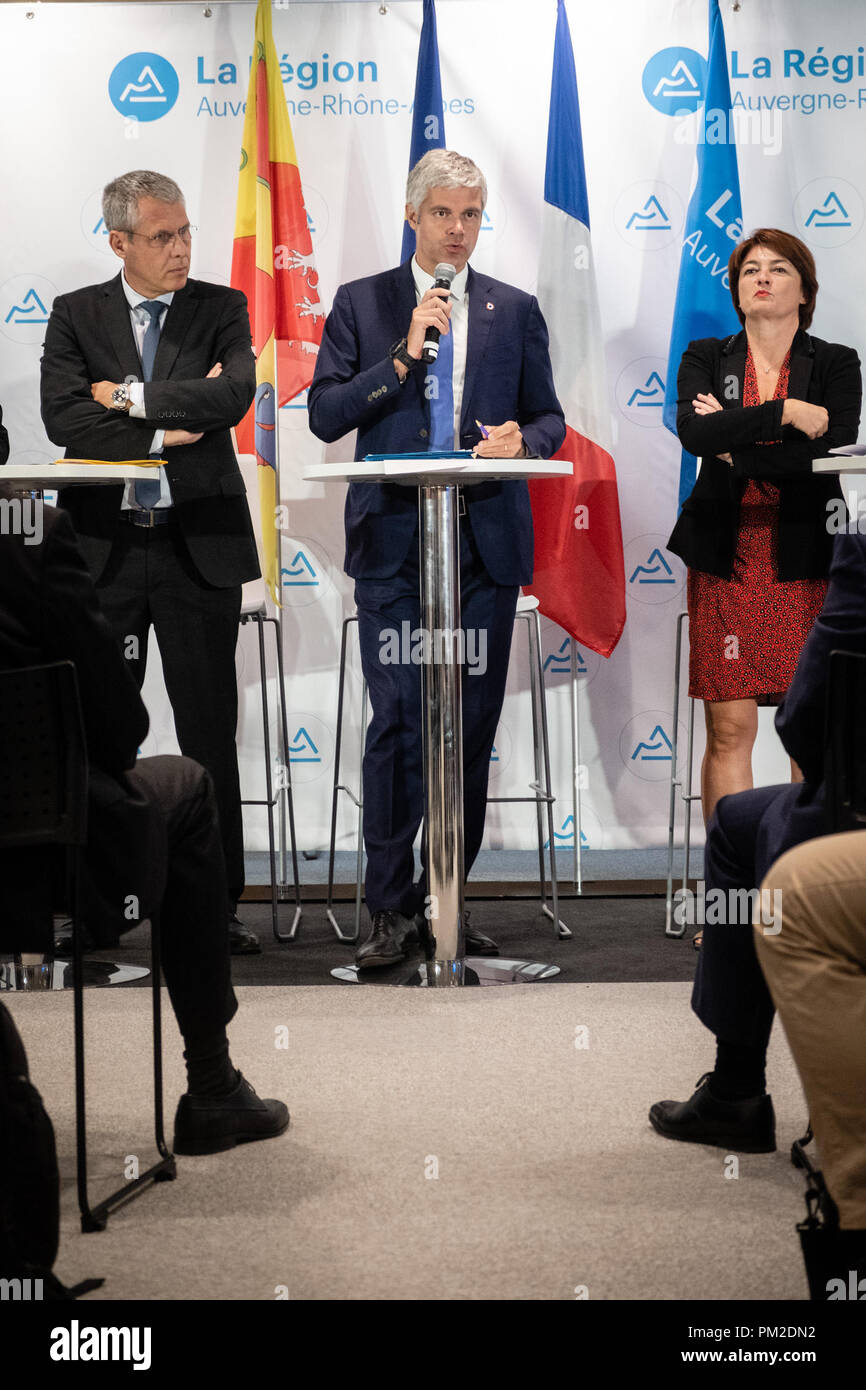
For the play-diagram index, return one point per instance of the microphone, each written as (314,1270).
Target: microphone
(442,277)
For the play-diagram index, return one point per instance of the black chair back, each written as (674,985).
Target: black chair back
(845,783)
(43,762)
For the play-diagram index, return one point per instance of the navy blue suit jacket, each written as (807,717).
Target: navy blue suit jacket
(798,814)
(508,377)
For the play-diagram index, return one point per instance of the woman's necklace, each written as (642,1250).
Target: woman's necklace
(766,370)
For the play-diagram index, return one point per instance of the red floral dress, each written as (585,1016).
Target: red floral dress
(745,633)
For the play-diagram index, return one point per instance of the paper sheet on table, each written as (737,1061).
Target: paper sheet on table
(138,463)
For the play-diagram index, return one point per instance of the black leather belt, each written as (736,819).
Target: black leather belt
(139,517)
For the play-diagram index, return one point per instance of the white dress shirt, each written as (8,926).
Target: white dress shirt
(459,327)
(140,319)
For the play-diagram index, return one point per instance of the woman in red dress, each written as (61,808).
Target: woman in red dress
(757,530)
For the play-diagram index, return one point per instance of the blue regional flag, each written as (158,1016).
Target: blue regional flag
(428,122)
(714,224)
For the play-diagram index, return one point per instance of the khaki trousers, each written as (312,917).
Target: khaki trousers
(815,968)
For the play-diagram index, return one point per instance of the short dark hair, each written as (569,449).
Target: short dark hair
(793,250)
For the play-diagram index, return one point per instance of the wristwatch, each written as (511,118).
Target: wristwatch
(400,352)
(120,398)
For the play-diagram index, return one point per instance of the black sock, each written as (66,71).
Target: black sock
(740,1071)
(209,1070)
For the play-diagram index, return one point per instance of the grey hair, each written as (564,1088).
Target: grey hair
(443,169)
(120,198)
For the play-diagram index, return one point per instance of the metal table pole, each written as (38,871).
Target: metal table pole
(439,542)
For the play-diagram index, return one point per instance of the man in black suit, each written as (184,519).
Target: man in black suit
(747,833)
(153,838)
(155,364)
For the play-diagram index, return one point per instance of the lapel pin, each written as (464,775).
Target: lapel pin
(489,305)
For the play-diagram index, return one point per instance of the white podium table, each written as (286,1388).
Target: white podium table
(438,483)
(48,476)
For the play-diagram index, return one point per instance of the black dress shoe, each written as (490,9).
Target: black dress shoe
(211,1124)
(63,940)
(386,943)
(242,942)
(475,943)
(746,1126)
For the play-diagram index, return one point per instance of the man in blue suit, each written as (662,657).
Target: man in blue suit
(493,367)
(746,835)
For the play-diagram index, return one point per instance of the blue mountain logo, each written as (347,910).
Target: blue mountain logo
(143,86)
(494,756)
(32,310)
(674,80)
(100,228)
(650,218)
(658,750)
(678,83)
(301,574)
(486,221)
(302,749)
(651,393)
(831,213)
(559,662)
(564,837)
(655,571)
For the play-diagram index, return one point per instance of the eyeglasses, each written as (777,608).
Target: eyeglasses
(160,241)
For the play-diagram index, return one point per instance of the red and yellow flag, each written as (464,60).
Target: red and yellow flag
(273,263)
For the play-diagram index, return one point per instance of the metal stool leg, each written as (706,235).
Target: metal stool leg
(536,758)
(286,799)
(269,785)
(335,792)
(272,797)
(545,790)
(577,826)
(541,787)
(687,795)
(359,852)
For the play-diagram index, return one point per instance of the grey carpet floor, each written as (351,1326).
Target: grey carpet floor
(620,939)
(443,1146)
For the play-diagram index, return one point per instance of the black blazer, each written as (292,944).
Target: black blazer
(823,373)
(49,611)
(89,338)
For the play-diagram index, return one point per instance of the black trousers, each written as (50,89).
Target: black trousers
(389,612)
(150,580)
(188,888)
(746,835)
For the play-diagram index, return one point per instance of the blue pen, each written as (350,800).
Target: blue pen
(485,434)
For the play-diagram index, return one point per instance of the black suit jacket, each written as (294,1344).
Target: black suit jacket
(823,373)
(89,338)
(49,611)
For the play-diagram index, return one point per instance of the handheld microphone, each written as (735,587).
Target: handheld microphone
(442,277)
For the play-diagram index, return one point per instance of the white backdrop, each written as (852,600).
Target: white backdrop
(349,78)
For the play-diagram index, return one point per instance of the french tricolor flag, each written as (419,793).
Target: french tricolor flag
(579,578)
